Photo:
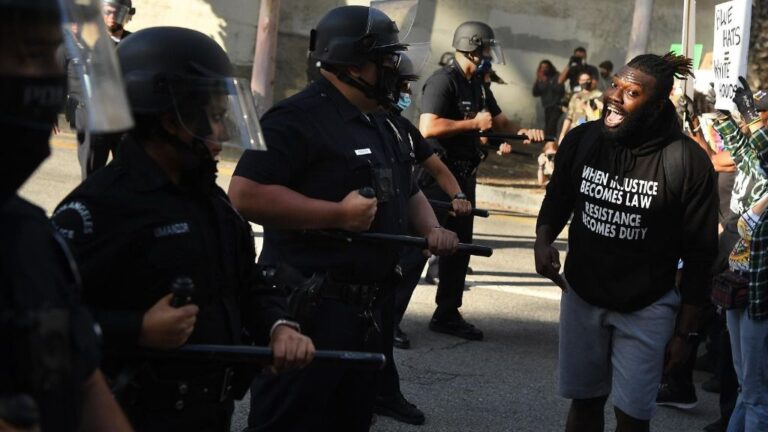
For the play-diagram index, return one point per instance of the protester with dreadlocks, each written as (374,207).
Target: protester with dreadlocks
(642,197)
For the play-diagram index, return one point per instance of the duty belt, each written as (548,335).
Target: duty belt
(463,168)
(350,293)
(355,294)
(177,394)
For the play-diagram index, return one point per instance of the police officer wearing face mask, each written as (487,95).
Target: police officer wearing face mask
(455,103)
(390,400)
(49,367)
(324,145)
(154,222)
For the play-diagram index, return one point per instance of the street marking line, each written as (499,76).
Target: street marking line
(64,143)
(71,144)
(528,292)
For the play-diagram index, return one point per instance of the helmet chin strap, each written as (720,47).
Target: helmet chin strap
(198,168)
(468,56)
(377,92)
(365,87)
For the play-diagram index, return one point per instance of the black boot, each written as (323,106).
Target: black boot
(399,409)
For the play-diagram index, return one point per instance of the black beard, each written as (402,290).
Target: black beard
(634,124)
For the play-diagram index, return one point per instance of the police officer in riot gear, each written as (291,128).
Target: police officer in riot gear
(324,145)
(49,368)
(117,13)
(93,149)
(390,401)
(455,103)
(154,221)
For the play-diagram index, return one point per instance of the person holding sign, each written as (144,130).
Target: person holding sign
(642,197)
(748,323)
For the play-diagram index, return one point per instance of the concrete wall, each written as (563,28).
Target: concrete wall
(530,31)
(232,23)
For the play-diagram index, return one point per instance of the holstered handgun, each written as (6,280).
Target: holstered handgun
(303,294)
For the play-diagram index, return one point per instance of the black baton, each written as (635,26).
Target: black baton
(501,136)
(447,206)
(418,242)
(257,355)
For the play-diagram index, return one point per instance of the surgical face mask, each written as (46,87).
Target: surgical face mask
(404,102)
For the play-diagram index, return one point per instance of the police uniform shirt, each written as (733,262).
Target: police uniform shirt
(323,147)
(450,95)
(412,141)
(43,328)
(135,232)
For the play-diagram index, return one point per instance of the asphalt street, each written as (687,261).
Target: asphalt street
(506,382)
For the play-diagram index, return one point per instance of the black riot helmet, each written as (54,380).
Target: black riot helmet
(183,72)
(353,35)
(35,38)
(471,36)
(123,10)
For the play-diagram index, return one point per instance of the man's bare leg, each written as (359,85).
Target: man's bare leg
(627,423)
(586,415)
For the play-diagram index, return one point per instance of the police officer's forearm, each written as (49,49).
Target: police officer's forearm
(281,207)
(445,179)
(421,215)
(432,126)
(100,410)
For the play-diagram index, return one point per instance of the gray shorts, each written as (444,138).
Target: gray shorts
(622,354)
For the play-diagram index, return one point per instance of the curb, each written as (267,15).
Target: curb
(490,196)
(509,199)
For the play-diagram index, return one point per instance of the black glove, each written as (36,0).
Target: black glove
(745,102)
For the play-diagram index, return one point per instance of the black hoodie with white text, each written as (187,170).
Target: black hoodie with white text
(629,229)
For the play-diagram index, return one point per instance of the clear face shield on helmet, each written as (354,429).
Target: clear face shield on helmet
(414,60)
(494,51)
(119,12)
(401,12)
(92,52)
(217,111)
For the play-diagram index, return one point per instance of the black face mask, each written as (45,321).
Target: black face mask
(484,67)
(28,110)
(198,167)
(386,91)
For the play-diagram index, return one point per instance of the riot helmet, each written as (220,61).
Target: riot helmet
(121,11)
(409,70)
(36,37)
(185,73)
(350,36)
(182,90)
(473,36)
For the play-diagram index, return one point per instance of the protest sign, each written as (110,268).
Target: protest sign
(731,45)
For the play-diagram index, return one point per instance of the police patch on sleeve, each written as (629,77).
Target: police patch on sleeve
(73,220)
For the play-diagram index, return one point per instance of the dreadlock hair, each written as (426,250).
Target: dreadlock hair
(664,68)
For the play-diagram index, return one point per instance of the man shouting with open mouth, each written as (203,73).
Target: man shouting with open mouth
(642,197)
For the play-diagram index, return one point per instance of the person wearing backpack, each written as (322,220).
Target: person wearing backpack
(642,196)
